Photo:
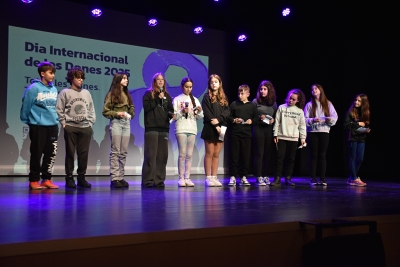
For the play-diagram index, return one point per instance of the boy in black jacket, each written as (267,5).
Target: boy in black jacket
(243,115)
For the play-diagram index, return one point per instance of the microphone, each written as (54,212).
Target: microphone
(162,99)
(186,106)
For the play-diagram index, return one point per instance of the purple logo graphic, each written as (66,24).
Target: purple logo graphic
(160,61)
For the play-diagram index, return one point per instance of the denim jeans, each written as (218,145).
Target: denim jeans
(185,145)
(356,157)
(120,132)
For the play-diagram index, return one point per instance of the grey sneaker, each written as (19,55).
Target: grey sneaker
(260,181)
(244,181)
(232,181)
(266,180)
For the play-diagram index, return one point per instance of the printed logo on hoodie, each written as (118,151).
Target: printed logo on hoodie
(47,99)
(78,110)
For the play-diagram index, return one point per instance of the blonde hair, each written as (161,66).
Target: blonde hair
(220,96)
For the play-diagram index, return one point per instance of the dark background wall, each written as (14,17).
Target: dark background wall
(346,48)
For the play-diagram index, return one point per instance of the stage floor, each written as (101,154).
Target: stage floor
(51,214)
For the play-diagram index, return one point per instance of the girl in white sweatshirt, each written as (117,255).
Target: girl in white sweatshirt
(289,127)
(187,109)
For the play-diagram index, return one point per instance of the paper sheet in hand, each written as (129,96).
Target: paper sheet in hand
(267,119)
(222,134)
(362,129)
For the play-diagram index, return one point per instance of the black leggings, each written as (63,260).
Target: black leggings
(317,146)
(286,152)
(264,149)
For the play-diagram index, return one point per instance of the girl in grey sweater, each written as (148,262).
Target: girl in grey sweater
(289,127)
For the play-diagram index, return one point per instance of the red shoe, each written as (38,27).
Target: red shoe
(49,184)
(358,182)
(34,185)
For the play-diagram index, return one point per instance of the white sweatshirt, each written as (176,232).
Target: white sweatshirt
(186,124)
(290,123)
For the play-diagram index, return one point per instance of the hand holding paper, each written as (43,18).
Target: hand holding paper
(222,133)
(363,130)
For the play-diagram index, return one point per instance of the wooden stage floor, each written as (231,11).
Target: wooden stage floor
(54,214)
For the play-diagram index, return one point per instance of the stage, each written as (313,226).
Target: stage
(82,219)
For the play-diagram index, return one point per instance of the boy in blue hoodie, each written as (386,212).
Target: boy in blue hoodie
(39,112)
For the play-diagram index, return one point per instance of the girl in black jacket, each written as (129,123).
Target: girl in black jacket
(158,110)
(216,111)
(357,126)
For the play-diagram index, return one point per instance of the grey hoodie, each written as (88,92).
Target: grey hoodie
(290,123)
(75,108)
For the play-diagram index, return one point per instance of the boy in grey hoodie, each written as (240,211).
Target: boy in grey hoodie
(76,114)
(289,127)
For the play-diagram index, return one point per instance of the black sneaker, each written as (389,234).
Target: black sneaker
(288,181)
(124,183)
(116,184)
(323,182)
(83,183)
(313,181)
(69,181)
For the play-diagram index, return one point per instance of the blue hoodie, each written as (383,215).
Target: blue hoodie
(39,104)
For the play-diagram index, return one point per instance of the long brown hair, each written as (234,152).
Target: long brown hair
(220,97)
(154,88)
(322,99)
(185,80)
(115,89)
(270,99)
(365,113)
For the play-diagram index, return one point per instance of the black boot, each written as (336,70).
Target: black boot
(288,181)
(277,181)
(82,182)
(69,181)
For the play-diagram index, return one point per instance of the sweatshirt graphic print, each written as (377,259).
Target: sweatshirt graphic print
(75,108)
(290,123)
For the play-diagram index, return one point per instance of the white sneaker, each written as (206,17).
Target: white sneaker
(209,181)
(260,181)
(266,180)
(189,182)
(216,181)
(232,181)
(244,181)
(181,182)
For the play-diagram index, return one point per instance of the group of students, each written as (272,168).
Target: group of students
(43,108)
(260,119)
